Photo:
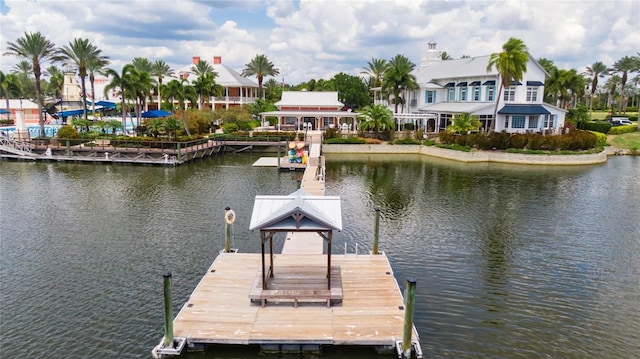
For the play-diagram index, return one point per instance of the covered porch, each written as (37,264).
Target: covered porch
(312,120)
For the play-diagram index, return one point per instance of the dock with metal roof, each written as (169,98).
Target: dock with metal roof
(304,297)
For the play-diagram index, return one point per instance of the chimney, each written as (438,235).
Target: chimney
(195,60)
(217,60)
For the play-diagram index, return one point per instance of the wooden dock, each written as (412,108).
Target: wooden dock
(219,311)
(305,304)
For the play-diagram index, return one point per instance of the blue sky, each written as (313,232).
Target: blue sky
(316,39)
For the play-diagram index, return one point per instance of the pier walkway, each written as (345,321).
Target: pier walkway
(363,305)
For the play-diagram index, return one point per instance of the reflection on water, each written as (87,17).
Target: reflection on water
(511,261)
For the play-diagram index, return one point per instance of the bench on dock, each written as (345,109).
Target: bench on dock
(297,295)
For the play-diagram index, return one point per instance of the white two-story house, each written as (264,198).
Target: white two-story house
(449,87)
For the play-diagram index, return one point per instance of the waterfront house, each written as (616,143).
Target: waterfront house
(311,110)
(450,87)
(237,89)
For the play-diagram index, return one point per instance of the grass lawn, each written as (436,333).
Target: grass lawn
(629,141)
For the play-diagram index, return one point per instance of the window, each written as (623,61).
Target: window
(532,94)
(549,121)
(289,120)
(429,96)
(476,93)
(451,94)
(517,121)
(463,94)
(506,122)
(491,93)
(533,121)
(509,93)
(327,121)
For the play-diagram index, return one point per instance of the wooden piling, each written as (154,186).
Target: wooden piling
(409,304)
(168,312)
(376,231)
(229,217)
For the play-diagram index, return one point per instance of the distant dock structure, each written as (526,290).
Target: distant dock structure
(302,298)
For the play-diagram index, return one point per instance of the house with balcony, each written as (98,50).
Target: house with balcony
(311,110)
(450,87)
(237,89)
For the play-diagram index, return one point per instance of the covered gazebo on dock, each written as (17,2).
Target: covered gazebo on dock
(298,214)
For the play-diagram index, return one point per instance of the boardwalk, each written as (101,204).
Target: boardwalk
(363,307)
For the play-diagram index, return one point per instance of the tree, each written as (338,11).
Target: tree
(203,68)
(139,86)
(351,90)
(56,82)
(160,69)
(120,82)
(273,90)
(598,69)
(375,70)
(398,78)
(624,66)
(180,92)
(376,118)
(142,64)
(464,123)
(260,67)
(10,87)
(206,86)
(547,65)
(444,56)
(95,66)
(511,65)
(38,49)
(79,53)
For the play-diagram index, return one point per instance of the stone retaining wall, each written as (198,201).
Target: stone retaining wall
(473,156)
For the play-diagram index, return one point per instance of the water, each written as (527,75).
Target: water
(511,261)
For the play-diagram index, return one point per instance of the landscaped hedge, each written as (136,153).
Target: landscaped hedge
(573,141)
(345,140)
(258,136)
(598,126)
(618,130)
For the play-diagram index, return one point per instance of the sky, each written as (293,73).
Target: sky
(313,39)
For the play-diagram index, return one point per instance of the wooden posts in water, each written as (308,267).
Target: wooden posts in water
(168,312)
(229,218)
(376,231)
(278,157)
(409,301)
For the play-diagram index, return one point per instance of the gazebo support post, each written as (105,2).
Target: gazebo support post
(264,277)
(271,254)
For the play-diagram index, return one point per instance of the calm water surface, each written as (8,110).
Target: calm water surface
(511,261)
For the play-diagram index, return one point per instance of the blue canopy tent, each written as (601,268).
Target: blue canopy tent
(68,113)
(3,111)
(155,113)
(106,104)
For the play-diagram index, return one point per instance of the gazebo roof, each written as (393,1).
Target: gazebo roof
(298,211)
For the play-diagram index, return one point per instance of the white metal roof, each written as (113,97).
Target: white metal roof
(318,114)
(476,108)
(226,77)
(310,98)
(279,213)
(16,104)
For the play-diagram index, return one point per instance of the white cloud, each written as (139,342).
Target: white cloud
(312,39)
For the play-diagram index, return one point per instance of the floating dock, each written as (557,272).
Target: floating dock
(302,298)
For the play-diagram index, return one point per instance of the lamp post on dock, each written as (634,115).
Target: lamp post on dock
(376,231)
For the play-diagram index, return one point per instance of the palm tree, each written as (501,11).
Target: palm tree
(511,65)
(203,68)
(624,66)
(142,64)
(598,69)
(95,66)
(160,69)
(375,70)
(139,88)
(23,67)
(376,118)
(10,87)
(177,90)
(398,78)
(445,56)
(612,85)
(79,53)
(120,82)
(547,65)
(38,49)
(260,67)
(464,123)
(206,86)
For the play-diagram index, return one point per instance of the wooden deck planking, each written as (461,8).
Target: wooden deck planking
(219,310)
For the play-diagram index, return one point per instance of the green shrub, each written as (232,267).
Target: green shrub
(68,132)
(618,130)
(535,141)
(345,140)
(429,142)
(230,127)
(518,140)
(598,126)
(601,138)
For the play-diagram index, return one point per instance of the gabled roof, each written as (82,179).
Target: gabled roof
(227,77)
(310,98)
(297,211)
(18,104)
